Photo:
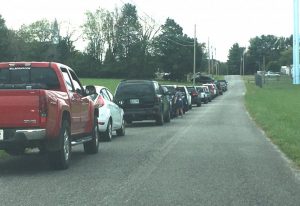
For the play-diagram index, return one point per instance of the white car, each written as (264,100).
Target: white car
(203,90)
(183,88)
(110,114)
(272,74)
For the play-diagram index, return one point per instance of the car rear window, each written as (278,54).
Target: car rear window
(26,77)
(135,89)
(181,89)
(190,89)
(171,89)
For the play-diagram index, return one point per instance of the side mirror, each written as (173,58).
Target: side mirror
(90,89)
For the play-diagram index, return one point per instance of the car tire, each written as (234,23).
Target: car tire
(60,159)
(107,135)
(121,131)
(92,146)
(199,104)
(160,119)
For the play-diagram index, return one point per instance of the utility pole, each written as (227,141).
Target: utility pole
(244,61)
(194,69)
(216,63)
(208,51)
(212,61)
(296,72)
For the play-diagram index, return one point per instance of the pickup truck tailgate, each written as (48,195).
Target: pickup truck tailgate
(19,108)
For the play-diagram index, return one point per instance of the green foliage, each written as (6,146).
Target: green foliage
(275,108)
(273,66)
(4,44)
(234,59)
(175,51)
(266,51)
(40,31)
(3,154)
(93,30)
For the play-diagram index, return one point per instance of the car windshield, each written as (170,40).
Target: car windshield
(181,89)
(190,89)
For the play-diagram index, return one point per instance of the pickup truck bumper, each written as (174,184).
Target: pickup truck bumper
(21,136)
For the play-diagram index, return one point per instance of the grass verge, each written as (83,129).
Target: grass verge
(2,154)
(275,107)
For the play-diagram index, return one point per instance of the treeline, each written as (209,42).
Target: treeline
(266,52)
(120,44)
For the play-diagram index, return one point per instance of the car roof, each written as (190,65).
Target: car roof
(137,81)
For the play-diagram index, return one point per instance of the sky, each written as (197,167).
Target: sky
(221,22)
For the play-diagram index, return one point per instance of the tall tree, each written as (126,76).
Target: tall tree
(93,30)
(39,31)
(4,44)
(55,32)
(234,59)
(175,51)
(109,27)
(128,36)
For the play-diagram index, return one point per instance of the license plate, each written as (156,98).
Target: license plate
(134,101)
(1,134)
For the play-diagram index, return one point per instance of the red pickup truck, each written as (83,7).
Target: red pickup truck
(43,105)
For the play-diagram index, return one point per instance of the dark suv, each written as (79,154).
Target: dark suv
(143,100)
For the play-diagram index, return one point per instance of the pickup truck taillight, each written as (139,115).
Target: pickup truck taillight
(43,108)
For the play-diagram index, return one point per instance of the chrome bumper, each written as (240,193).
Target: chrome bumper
(32,134)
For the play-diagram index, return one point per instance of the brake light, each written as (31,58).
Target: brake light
(100,101)
(43,108)
(194,93)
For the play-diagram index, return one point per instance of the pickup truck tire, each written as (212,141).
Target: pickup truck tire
(92,146)
(60,159)
(107,135)
(121,131)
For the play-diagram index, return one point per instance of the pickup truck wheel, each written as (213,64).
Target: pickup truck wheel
(107,135)
(92,147)
(60,159)
(121,131)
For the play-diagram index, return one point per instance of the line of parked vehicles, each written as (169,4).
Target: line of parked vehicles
(44,105)
(138,100)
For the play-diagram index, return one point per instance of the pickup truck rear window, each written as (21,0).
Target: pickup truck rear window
(26,78)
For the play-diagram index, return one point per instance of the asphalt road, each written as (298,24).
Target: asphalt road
(214,155)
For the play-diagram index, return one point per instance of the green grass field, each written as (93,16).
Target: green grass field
(275,108)
(111,84)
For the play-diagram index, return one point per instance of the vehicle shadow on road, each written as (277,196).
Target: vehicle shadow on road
(35,164)
(142,124)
